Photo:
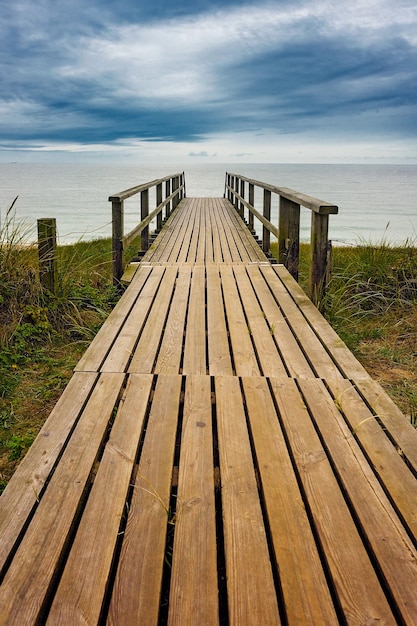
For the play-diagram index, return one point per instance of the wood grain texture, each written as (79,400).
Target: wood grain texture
(250,584)
(194,592)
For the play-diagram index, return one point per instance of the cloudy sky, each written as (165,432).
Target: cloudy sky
(220,80)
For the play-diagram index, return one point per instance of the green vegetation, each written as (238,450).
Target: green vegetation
(371,302)
(42,335)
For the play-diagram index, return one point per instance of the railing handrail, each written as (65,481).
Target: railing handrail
(128,193)
(174,192)
(309,202)
(288,231)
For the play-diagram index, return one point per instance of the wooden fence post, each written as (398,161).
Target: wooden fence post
(167,194)
(158,202)
(251,202)
(319,254)
(266,235)
(117,238)
(289,235)
(47,253)
(144,212)
(242,195)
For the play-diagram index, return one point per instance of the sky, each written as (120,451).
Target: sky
(209,80)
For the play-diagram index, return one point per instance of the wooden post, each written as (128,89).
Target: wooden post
(144,212)
(289,235)
(266,235)
(167,194)
(319,254)
(251,202)
(158,202)
(174,188)
(236,202)
(117,239)
(242,195)
(46,253)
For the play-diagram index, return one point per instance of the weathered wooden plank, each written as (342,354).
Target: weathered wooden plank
(347,362)
(397,557)
(25,488)
(195,337)
(356,584)
(194,592)
(83,585)
(393,420)
(316,353)
(288,347)
(146,351)
(137,587)
(33,570)
(208,253)
(244,356)
(251,591)
(268,355)
(121,351)
(189,241)
(101,344)
(218,344)
(305,590)
(170,353)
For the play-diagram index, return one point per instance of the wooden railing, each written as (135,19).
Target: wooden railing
(174,192)
(287,231)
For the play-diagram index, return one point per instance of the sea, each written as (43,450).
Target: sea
(377,203)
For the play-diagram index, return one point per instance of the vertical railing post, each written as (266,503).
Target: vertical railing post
(158,202)
(117,238)
(251,202)
(144,212)
(167,194)
(229,182)
(183,191)
(266,235)
(319,248)
(289,235)
(174,188)
(242,195)
(47,253)
(236,188)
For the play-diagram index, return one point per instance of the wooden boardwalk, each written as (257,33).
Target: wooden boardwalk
(218,457)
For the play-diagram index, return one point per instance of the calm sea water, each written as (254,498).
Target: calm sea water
(375,202)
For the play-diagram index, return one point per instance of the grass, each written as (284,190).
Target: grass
(43,335)
(371,302)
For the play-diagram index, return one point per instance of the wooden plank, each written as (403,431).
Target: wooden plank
(255,251)
(288,347)
(195,336)
(316,353)
(146,350)
(189,240)
(95,354)
(202,241)
(32,573)
(26,487)
(166,240)
(193,592)
(82,588)
(121,351)
(347,362)
(137,587)
(358,589)
(395,422)
(269,358)
(209,254)
(384,530)
(170,353)
(218,344)
(305,591)
(244,357)
(250,584)
(382,456)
